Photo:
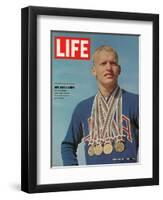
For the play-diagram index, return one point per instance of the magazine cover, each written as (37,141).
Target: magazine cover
(94,98)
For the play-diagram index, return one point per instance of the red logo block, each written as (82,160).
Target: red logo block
(72,48)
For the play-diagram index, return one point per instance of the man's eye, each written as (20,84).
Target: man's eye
(113,63)
(103,63)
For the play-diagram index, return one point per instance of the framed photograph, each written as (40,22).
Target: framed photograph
(90,99)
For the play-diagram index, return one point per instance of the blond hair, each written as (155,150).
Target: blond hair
(104,48)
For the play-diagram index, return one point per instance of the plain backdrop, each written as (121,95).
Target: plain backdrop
(10,99)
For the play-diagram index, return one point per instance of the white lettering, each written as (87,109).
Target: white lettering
(73,47)
(84,55)
(59,53)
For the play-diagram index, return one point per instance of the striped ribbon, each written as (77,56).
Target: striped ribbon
(106,118)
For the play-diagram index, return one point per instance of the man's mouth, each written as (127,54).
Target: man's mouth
(108,75)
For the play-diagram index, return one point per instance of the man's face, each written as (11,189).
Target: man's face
(106,69)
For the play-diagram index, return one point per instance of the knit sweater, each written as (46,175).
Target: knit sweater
(78,131)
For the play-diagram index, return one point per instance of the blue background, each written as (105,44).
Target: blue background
(79,72)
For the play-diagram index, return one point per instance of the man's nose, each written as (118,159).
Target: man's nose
(108,65)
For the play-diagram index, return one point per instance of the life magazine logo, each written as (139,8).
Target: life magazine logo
(72,48)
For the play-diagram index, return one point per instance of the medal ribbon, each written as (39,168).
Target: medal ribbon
(102,116)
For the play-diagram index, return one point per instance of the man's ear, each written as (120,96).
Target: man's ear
(119,69)
(93,70)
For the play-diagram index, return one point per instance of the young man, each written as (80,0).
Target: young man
(108,122)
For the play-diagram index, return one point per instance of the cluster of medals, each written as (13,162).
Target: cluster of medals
(105,127)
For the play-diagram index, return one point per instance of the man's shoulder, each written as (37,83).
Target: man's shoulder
(86,102)
(129,95)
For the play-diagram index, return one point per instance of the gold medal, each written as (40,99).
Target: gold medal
(91,150)
(119,146)
(108,148)
(98,149)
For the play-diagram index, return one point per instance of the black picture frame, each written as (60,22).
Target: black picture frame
(29,98)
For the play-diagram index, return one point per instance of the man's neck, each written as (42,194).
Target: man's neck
(106,91)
